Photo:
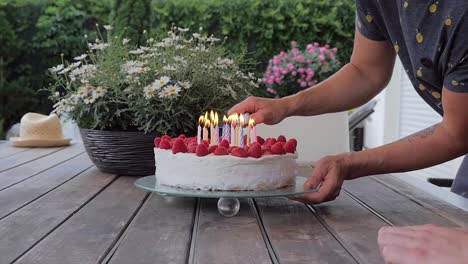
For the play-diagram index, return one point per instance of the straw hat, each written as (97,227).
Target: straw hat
(38,130)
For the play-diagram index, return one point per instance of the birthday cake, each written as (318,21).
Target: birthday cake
(246,163)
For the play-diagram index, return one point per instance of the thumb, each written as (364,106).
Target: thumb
(315,178)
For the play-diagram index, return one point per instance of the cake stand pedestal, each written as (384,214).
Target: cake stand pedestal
(228,203)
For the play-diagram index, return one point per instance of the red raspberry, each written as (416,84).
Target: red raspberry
(221,151)
(192,148)
(231,148)
(202,150)
(165,144)
(206,142)
(246,148)
(282,139)
(255,151)
(270,142)
(224,143)
(293,140)
(157,142)
(239,152)
(212,148)
(265,147)
(267,152)
(289,147)
(278,149)
(179,146)
(182,136)
(260,140)
(245,139)
(166,137)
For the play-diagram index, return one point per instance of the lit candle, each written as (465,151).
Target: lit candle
(249,131)
(216,129)
(226,129)
(241,134)
(232,140)
(201,122)
(211,128)
(205,130)
(235,123)
(254,131)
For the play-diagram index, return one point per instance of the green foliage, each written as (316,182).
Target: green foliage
(265,27)
(161,87)
(132,18)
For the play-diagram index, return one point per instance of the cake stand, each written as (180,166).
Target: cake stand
(228,203)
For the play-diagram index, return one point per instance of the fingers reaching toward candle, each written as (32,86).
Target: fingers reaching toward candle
(262,110)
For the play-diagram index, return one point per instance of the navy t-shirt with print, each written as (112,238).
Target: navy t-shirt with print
(430,37)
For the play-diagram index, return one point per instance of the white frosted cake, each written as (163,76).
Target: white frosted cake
(183,163)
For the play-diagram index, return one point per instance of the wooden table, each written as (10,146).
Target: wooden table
(55,207)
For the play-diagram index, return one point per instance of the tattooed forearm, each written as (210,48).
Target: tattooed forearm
(421,134)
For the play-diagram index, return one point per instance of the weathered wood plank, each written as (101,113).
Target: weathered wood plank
(26,227)
(427,200)
(160,233)
(228,240)
(7,149)
(88,235)
(27,191)
(398,209)
(20,173)
(25,157)
(296,235)
(354,226)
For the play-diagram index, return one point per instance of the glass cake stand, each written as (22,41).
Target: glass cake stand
(228,203)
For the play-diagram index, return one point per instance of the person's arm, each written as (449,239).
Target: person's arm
(442,142)
(368,72)
(439,143)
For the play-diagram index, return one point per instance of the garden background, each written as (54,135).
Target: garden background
(35,32)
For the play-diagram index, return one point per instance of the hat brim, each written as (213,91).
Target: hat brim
(39,143)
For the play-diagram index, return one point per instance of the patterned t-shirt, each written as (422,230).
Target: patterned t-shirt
(430,37)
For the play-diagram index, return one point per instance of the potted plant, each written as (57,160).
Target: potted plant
(122,96)
(295,70)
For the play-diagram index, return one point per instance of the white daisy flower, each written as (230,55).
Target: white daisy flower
(163,80)
(98,46)
(108,27)
(75,65)
(185,84)
(57,68)
(179,59)
(64,70)
(174,90)
(136,52)
(125,41)
(196,35)
(99,92)
(169,68)
(82,93)
(89,99)
(149,91)
(183,29)
(84,73)
(81,57)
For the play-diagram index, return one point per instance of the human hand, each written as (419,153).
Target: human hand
(262,110)
(329,173)
(429,244)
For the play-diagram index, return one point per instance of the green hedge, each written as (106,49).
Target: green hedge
(35,32)
(264,27)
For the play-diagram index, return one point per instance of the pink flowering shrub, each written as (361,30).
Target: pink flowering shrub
(295,70)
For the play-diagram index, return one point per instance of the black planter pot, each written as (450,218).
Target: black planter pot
(120,152)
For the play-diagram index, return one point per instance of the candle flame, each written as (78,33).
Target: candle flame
(206,116)
(241,120)
(251,122)
(201,120)
(234,119)
(207,123)
(212,116)
(216,120)
(225,119)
